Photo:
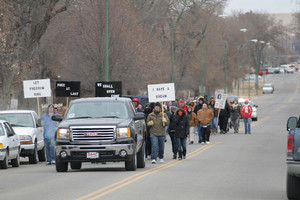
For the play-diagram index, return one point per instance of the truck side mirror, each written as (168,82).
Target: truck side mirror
(56,117)
(291,123)
(139,116)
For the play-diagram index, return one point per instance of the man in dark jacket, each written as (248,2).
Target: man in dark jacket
(223,118)
(197,108)
(182,130)
(171,130)
(148,109)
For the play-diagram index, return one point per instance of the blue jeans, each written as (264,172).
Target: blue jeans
(199,133)
(50,149)
(181,147)
(157,145)
(247,122)
(174,142)
(214,123)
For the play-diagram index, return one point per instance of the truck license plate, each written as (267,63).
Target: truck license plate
(92,155)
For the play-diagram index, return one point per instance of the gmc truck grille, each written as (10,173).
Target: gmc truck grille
(92,133)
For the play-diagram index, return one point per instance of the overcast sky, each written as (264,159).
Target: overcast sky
(269,6)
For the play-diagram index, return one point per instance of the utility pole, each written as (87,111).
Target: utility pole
(106,43)
(225,68)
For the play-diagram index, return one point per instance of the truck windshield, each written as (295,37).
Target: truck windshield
(18,119)
(97,110)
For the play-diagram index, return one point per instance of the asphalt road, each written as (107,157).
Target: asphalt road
(233,166)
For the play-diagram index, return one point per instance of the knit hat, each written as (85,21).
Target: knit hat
(157,104)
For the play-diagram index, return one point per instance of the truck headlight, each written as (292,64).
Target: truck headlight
(123,132)
(63,133)
(25,139)
(1,146)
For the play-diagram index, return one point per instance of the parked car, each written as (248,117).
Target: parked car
(27,126)
(265,71)
(252,77)
(293,159)
(276,70)
(9,146)
(268,88)
(254,115)
(260,72)
(290,70)
(231,98)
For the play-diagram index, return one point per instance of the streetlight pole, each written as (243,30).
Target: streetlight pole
(106,42)
(249,74)
(201,66)
(225,68)
(172,51)
(238,75)
(257,67)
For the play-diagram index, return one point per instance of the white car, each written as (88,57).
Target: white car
(254,108)
(268,88)
(252,77)
(9,146)
(27,126)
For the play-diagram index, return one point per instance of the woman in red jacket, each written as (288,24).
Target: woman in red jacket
(246,112)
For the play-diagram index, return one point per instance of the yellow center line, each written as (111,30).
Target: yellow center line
(281,107)
(292,98)
(261,120)
(138,176)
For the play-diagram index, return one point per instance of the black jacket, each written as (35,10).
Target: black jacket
(235,111)
(171,127)
(197,107)
(182,127)
(225,112)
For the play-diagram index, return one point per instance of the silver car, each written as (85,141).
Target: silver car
(254,115)
(268,88)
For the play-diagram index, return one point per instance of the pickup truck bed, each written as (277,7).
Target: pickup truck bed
(293,164)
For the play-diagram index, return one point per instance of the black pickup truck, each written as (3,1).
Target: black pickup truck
(100,130)
(293,158)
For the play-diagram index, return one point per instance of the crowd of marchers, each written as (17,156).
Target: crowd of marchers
(183,120)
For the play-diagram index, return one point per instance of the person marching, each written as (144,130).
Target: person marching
(157,121)
(205,116)
(171,130)
(235,115)
(193,122)
(136,103)
(214,122)
(181,131)
(246,112)
(223,118)
(49,134)
(197,108)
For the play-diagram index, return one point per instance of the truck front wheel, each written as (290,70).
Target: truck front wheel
(131,164)
(61,166)
(292,187)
